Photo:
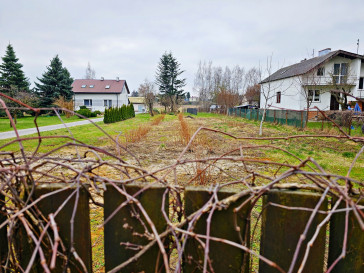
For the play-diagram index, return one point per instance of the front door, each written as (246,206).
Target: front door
(334,105)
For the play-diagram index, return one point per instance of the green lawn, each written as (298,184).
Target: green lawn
(28,122)
(88,134)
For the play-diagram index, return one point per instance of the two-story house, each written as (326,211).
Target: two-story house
(316,82)
(100,94)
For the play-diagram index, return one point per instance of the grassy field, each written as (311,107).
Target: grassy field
(28,122)
(161,144)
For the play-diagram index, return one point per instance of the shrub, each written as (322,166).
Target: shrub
(63,103)
(83,107)
(97,112)
(85,112)
(93,114)
(132,112)
(156,111)
(348,154)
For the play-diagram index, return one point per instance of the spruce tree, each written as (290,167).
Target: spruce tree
(11,73)
(168,79)
(55,82)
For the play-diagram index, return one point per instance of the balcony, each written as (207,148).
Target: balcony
(328,80)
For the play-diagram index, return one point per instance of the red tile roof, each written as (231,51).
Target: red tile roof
(99,86)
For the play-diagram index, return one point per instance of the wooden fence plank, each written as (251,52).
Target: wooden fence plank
(125,227)
(354,259)
(82,231)
(82,234)
(281,230)
(3,236)
(224,258)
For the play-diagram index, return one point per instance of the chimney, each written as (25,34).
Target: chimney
(324,51)
(117,79)
(102,78)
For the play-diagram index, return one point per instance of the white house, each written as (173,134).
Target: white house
(311,81)
(100,94)
(139,104)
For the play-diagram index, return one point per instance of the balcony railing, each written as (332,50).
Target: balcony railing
(328,80)
(361,93)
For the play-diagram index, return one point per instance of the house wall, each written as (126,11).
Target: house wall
(98,100)
(290,89)
(139,108)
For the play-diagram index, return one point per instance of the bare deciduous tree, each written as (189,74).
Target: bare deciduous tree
(147,91)
(252,94)
(90,73)
(210,80)
(341,81)
(269,90)
(204,83)
(227,98)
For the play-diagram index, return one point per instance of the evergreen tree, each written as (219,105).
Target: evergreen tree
(55,82)
(11,73)
(168,79)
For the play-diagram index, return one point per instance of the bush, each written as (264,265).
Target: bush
(97,112)
(85,112)
(348,154)
(83,107)
(156,111)
(93,114)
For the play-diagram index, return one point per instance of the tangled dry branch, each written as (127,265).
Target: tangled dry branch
(22,171)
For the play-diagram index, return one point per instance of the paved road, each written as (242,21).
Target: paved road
(24,132)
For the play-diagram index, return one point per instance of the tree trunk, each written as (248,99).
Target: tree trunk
(261,122)
(151,110)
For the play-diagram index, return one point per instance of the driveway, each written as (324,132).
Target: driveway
(24,132)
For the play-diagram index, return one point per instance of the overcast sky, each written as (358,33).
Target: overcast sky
(127,38)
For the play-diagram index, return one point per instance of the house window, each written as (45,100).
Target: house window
(107,103)
(107,87)
(87,102)
(361,83)
(279,97)
(340,73)
(92,86)
(321,71)
(83,86)
(314,95)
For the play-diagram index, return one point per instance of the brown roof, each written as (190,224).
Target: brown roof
(99,86)
(306,65)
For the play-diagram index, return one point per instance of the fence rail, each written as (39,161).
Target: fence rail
(136,214)
(287,117)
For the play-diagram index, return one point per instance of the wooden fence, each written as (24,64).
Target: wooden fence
(284,218)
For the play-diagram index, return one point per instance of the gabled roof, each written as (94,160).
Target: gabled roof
(99,86)
(306,65)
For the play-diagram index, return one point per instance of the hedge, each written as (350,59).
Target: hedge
(115,114)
